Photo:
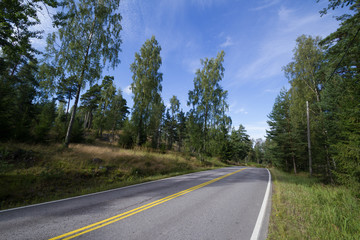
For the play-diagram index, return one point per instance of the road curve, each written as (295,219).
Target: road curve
(216,204)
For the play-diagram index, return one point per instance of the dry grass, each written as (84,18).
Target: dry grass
(37,173)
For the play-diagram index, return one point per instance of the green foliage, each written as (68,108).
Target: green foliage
(281,145)
(107,96)
(341,100)
(304,208)
(126,138)
(325,73)
(207,117)
(77,133)
(240,144)
(44,121)
(59,129)
(17,17)
(146,87)
(89,103)
(17,107)
(82,56)
(170,123)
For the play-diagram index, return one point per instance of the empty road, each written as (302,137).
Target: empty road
(217,204)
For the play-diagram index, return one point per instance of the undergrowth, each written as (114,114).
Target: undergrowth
(305,208)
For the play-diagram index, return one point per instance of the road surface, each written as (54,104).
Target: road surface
(217,204)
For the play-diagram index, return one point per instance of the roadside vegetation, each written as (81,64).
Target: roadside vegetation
(314,138)
(38,173)
(306,208)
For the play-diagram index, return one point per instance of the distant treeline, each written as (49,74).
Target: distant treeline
(326,74)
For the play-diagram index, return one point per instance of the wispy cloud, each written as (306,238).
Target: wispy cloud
(266,4)
(191,65)
(203,3)
(240,110)
(228,42)
(275,51)
(235,109)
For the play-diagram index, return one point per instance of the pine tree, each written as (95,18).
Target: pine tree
(341,96)
(281,135)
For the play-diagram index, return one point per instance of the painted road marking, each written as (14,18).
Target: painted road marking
(260,219)
(121,216)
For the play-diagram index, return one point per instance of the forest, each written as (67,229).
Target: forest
(37,90)
(323,139)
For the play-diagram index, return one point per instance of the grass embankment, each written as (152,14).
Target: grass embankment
(304,208)
(37,173)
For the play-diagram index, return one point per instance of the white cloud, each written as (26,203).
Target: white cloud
(127,90)
(256,130)
(285,13)
(192,65)
(240,110)
(46,17)
(228,42)
(233,109)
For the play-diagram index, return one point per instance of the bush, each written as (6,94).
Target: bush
(126,138)
(77,131)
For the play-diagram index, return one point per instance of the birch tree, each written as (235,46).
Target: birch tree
(207,100)
(148,107)
(88,38)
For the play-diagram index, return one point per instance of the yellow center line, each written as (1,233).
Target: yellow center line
(121,216)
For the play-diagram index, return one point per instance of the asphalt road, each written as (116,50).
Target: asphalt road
(217,204)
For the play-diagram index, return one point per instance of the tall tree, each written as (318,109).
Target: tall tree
(341,95)
(305,76)
(281,135)
(146,87)
(88,38)
(117,113)
(107,96)
(240,142)
(89,103)
(206,101)
(171,117)
(66,91)
(181,129)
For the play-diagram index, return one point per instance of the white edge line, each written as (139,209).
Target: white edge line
(96,193)
(259,221)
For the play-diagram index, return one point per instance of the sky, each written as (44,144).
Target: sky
(258,38)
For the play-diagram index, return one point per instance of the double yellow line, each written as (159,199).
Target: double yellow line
(121,216)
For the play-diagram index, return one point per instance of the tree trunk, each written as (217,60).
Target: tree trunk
(67,138)
(113,130)
(308,135)
(67,109)
(86,120)
(90,120)
(294,163)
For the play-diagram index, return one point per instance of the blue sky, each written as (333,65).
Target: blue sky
(257,36)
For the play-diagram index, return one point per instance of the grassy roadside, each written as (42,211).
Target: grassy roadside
(304,208)
(37,173)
